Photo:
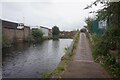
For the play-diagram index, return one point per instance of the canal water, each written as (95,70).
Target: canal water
(29,61)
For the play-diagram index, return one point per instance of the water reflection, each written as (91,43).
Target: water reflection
(29,61)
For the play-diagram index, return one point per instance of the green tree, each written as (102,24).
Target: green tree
(89,22)
(111,38)
(37,35)
(55,32)
(111,13)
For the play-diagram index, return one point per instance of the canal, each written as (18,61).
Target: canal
(30,60)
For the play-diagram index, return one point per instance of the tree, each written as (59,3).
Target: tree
(55,32)
(37,35)
(110,41)
(89,22)
(111,13)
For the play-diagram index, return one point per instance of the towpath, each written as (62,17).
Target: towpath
(83,65)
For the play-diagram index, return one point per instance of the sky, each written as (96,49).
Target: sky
(66,14)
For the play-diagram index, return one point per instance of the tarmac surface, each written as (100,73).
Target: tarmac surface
(83,65)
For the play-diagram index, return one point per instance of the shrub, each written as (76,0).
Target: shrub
(101,55)
(37,35)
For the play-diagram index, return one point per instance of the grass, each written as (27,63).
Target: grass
(46,75)
(65,60)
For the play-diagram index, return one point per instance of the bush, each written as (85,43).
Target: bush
(37,35)
(101,55)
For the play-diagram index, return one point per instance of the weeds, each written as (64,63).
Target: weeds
(102,55)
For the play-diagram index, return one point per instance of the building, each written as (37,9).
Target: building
(9,24)
(45,31)
(50,33)
(12,33)
(67,34)
(8,31)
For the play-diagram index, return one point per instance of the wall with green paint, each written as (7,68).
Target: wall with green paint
(96,29)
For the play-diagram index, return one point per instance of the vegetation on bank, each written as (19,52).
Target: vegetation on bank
(89,22)
(101,54)
(37,35)
(65,60)
(106,49)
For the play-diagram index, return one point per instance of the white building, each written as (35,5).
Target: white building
(45,31)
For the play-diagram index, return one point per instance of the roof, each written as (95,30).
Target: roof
(44,27)
(34,28)
(27,26)
(9,24)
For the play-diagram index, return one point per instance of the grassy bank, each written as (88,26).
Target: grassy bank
(102,56)
(65,60)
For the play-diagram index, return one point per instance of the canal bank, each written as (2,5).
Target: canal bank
(65,60)
(83,65)
(29,61)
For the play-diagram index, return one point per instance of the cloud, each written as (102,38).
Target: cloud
(0,10)
(67,15)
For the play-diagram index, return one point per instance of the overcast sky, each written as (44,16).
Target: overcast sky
(66,14)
